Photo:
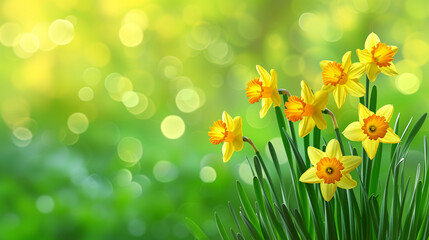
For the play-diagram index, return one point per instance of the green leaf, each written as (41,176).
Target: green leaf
(246,205)
(235,217)
(373,102)
(252,229)
(220,228)
(278,170)
(414,132)
(195,229)
(330,231)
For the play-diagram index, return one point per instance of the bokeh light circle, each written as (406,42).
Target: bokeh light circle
(86,94)
(130,99)
(8,33)
(29,42)
(22,133)
(61,32)
(78,123)
(172,127)
(187,100)
(165,171)
(130,150)
(136,227)
(407,83)
(45,204)
(131,34)
(207,174)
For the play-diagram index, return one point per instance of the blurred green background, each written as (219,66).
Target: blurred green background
(106,104)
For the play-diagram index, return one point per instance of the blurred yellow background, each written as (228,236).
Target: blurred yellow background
(106,105)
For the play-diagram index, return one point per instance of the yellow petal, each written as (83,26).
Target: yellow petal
(390,137)
(238,134)
(394,49)
(324,63)
(372,71)
(333,149)
(371,41)
(328,190)
(275,96)
(350,163)
(340,95)
(265,77)
(306,126)
(226,118)
(346,61)
(319,120)
(266,104)
(347,182)
(389,70)
(227,150)
(364,56)
(315,155)
(386,111)
(354,132)
(328,88)
(310,176)
(370,147)
(355,88)
(306,93)
(356,70)
(321,99)
(364,112)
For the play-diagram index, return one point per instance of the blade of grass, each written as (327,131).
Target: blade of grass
(195,229)
(220,228)
(253,231)
(235,217)
(246,206)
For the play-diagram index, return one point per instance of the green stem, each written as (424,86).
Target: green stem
(316,138)
(367,92)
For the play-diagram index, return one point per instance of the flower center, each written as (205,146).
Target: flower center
(329,169)
(219,133)
(255,91)
(375,127)
(382,54)
(334,74)
(296,108)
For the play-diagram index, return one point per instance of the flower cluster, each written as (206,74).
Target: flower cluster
(330,168)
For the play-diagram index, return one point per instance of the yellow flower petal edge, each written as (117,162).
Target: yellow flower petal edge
(229,132)
(331,169)
(342,78)
(307,109)
(265,89)
(377,57)
(372,129)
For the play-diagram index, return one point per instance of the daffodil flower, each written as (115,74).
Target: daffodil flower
(229,132)
(331,169)
(265,88)
(307,108)
(377,57)
(372,129)
(343,78)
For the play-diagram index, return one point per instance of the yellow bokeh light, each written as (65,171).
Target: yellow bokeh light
(417,50)
(29,42)
(207,174)
(15,111)
(138,17)
(23,134)
(61,32)
(78,123)
(130,99)
(131,34)
(173,127)
(141,105)
(407,83)
(91,76)
(8,33)
(187,100)
(117,85)
(86,94)
(130,150)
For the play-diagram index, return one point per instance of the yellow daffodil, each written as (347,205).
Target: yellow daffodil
(343,78)
(265,88)
(377,57)
(307,108)
(229,132)
(331,169)
(372,129)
